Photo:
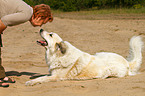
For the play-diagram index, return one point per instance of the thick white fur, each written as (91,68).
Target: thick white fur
(76,64)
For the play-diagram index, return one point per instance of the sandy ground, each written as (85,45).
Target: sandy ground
(23,58)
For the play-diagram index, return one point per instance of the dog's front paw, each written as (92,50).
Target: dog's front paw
(31,83)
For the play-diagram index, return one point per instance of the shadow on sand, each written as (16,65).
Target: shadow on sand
(33,75)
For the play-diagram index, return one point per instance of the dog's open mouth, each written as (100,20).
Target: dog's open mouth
(42,42)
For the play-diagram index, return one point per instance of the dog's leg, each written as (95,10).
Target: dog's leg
(40,80)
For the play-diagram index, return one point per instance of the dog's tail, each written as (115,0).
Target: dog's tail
(135,55)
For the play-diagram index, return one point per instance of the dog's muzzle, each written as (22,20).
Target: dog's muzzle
(42,42)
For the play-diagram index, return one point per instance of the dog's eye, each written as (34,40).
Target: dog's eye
(50,35)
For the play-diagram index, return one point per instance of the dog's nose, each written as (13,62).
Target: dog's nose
(41,30)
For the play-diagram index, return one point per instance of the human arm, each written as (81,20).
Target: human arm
(17,14)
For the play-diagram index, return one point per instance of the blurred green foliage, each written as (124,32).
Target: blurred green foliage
(77,5)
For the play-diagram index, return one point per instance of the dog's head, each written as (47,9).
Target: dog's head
(52,42)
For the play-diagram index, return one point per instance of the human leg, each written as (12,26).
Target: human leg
(3,79)
(2,70)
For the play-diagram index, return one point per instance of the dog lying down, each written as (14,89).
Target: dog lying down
(66,62)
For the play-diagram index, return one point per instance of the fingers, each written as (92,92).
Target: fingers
(39,21)
(50,19)
(46,20)
(37,18)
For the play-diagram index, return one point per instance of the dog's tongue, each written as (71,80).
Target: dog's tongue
(43,43)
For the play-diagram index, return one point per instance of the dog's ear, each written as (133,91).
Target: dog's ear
(61,46)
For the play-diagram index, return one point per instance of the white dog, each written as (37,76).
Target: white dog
(66,62)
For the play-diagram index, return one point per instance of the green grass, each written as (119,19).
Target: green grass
(94,14)
(120,11)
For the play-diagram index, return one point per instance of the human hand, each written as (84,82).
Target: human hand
(38,21)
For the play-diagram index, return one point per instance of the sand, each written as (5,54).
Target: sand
(23,58)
